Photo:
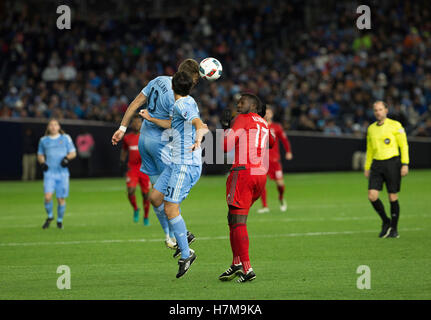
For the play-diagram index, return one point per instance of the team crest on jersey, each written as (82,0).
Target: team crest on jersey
(387,140)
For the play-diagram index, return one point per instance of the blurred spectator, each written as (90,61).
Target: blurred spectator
(425,129)
(29,149)
(302,58)
(331,128)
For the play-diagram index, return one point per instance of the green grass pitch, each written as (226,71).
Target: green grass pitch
(312,251)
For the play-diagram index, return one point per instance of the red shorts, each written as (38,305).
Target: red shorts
(275,171)
(135,176)
(243,188)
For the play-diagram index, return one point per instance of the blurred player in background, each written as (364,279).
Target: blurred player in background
(155,153)
(385,139)
(250,136)
(275,171)
(181,175)
(54,154)
(134,175)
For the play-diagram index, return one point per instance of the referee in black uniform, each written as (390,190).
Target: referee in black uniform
(387,161)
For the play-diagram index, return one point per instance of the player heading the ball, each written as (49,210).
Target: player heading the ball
(181,175)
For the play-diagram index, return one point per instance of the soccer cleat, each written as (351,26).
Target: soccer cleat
(184,264)
(250,276)
(136,215)
(47,222)
(283,206)
(170,244)
(59,225)
(263,210)
(190,238)
(386,229)
(146,221)
(232,272)
(393,234)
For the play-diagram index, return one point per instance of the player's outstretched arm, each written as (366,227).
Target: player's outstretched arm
(131,109)
(163,123)
(201,130)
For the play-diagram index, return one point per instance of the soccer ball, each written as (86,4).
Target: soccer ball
(210,69)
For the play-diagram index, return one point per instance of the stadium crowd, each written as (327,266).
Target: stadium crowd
(320,76)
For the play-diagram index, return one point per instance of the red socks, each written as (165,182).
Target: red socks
(146,208)
(280,192)
(132,199)
(263,197)
(239,241)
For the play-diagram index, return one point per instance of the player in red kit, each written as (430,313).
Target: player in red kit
(250,136)
(134,174)
(275,171)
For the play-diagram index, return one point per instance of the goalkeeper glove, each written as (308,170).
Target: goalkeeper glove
(44,166)
(65,162)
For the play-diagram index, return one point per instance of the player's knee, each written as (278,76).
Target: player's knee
(61,201)
(237,215)
(156,198)
(130,191)
(48,197)
(393,197)
(373,196)
(171,210)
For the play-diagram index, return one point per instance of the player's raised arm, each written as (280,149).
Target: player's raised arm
(131,109)
(163,123)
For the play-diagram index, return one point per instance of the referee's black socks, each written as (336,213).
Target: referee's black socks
(395,213)
(378,206)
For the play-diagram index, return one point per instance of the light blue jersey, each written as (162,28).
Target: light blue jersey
(184,133)
(153,141)
(160,97)
(176,180)
(56,178)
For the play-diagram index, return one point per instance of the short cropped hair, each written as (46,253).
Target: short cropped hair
(189,66)
(182,83)
(256,101)
(382,102)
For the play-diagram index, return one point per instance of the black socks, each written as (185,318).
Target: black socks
(395,213)
(378,206)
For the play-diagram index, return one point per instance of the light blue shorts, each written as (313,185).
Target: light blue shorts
(155,153)
(57,182)
(177,180)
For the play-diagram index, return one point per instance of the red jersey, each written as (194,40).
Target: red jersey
(277,130)
(250,136)
(130,144)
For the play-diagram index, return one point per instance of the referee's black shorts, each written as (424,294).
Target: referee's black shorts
(387,171)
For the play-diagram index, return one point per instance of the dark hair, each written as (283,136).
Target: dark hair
(260,108)
(262,111)
(182,83)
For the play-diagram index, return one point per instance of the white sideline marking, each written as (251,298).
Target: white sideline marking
(306,234)
(259,218)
